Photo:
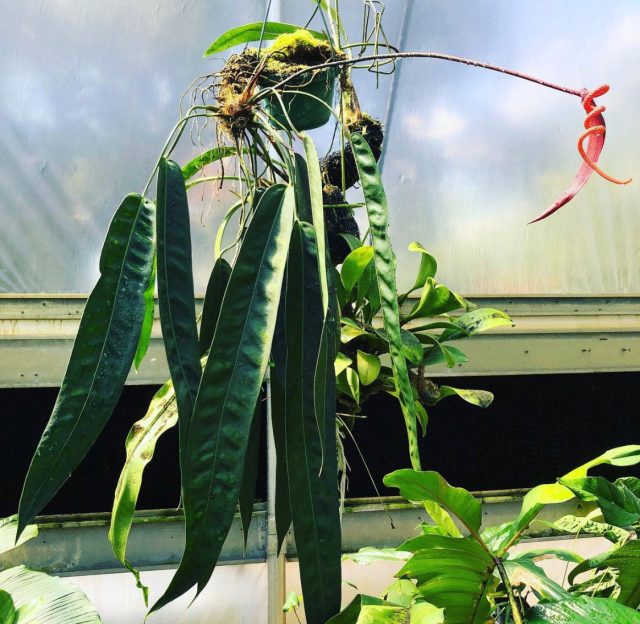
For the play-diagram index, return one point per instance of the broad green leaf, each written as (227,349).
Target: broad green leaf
(582,610)
(481,398)
(401,592)
(8,530)
(368,555)
(348,383)
(426,613)
(411,346)
(442,518)
(437,299)
(250,473)
(625,559)
(229,389)
(176,298)
(342,362)
(317,213)
(368,367)
(8,613)
(140,446)
(147,323)
(587,526)
(429,485)
(40,598)
(369,610)
(214,294)
(101,357)
(551,493)
(476,321)
(253,32)
(428,266)
(349,332)
(354,265)
(384,259)
(312,483)
(446,354)
(524,572)
(618,503)
(212,155)
(439,353)
(452,573)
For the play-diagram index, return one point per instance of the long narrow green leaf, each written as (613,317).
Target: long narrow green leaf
(176,298)
(250,472)
(317,213)
(582,610)
(210,156)
(278,419)
(40,598)
(384,259)
(140,446)
(229,389)
(101,358)
(147,324)
(213,302)
(253,32)
(313,488)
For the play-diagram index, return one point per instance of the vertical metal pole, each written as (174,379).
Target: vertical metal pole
(276,564)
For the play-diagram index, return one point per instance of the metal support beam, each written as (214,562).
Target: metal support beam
(78,545)
(551,335)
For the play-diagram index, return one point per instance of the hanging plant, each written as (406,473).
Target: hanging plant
(298,294)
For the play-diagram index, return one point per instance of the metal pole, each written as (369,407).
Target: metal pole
(276,564)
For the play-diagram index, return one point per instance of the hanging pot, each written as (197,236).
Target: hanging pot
(307,101)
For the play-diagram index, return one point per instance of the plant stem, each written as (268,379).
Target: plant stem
(515,609)
(427,55)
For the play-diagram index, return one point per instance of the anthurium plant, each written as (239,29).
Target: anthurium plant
(460,572)
(298,296)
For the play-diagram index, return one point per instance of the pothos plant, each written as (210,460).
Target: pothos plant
(457,572)
(275,305)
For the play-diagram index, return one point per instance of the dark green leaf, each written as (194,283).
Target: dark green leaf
(313,492)
(429,485)
(437,356)
(229,389)
(582,610)
(253,32)
(384,259)
(212,155)
(250,472)
(40,598)
(176,294)
(101,358)
(149,317)
(619,505)
(216,288)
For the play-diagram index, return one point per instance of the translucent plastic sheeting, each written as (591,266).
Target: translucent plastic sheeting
(90,91)
(472,155)
(88,94)
(236,594)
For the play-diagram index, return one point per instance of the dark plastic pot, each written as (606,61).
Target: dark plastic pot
(299,100)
